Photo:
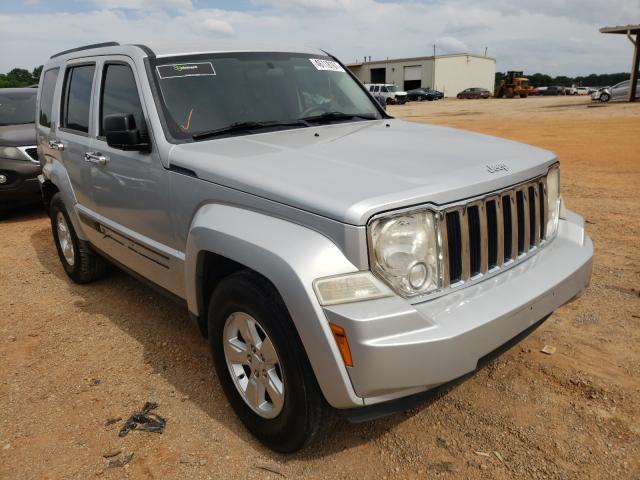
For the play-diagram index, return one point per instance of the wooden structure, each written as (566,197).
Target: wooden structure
(630,31)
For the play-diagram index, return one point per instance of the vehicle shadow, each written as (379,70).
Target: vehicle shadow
(22,213)
(175,349)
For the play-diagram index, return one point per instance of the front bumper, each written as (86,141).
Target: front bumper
(401,349)
(21,184)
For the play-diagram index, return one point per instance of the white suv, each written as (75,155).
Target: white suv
(390,92)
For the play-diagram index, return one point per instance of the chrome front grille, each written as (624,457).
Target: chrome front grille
(485,235)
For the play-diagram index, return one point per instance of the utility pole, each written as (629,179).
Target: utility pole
(433,84)
(485,51)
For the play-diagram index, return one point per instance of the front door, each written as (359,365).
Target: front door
(130,188)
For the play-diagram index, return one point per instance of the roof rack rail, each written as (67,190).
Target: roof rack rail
(85,47)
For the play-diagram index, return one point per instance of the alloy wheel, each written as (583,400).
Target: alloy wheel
(253,364)
(64,239)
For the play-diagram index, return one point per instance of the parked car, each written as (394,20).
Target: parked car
(553,90)
(595,95)
(539,90)
(582,91)
(420,94)
(328,268)
(392,93)
(19,165)
(619,91)
(474,93)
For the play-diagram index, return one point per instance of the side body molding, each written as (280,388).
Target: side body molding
(291,257)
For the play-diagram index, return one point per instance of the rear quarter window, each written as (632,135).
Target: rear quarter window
(46,96)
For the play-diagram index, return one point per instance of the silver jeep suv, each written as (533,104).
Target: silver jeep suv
(337,259)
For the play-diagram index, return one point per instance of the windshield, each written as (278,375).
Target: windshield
(18,107)
(392,88)
(213,92)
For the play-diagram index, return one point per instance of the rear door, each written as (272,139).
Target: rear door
(72,135)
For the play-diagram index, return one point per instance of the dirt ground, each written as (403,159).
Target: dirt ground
(72,357)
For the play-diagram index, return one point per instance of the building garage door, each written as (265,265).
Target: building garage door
(412,77)
(378,75)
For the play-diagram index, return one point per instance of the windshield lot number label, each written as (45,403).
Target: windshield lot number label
(179,70)
(329,65)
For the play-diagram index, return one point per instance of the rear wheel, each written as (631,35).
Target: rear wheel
(79,261)
(261,363)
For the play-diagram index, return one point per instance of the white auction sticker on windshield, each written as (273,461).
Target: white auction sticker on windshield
(329,65)
(179,70)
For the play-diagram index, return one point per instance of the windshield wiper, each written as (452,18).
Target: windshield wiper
(329,116)
(245,127)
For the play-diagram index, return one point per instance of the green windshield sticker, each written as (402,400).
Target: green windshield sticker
(180,70)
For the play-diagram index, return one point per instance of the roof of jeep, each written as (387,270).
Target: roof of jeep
(166,49)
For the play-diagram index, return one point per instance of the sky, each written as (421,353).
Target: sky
(557,37)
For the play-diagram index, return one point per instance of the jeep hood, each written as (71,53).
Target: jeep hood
(351,171)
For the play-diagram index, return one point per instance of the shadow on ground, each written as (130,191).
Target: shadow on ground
(154,321)
(21,214)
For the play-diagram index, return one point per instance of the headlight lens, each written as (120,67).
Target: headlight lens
(13,153)
(553,201)
(405,252)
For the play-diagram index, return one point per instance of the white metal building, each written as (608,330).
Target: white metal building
(449,74)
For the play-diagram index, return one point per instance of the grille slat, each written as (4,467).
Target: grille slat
(483,235)
(492,234)
(473,215)
(543,209)
(454,246)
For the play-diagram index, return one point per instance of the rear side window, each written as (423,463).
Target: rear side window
(119,94)
(77,99)
(46,96)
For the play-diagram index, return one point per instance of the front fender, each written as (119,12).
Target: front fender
(291,257)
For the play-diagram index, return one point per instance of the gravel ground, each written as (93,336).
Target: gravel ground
(75,356)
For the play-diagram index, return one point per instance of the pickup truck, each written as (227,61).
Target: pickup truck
(338,260)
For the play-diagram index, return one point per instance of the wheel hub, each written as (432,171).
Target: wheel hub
(64,239)
(253,364)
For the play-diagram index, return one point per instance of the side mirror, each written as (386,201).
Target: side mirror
(121,132)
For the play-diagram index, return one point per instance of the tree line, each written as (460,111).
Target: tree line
(20,77)
(592,80)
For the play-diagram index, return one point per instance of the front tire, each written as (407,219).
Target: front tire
(79,261)
(262,365)
(605,97)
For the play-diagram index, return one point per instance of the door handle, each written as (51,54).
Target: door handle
(96,157)
(56,145)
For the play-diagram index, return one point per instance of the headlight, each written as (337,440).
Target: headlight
(13,153)
(404,252)
(553,201)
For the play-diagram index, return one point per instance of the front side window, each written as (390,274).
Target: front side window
(384,89)
(119,94)
(77,99)
(46,96)
(217,91)
(17,106)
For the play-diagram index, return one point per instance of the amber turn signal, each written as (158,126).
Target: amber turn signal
(343,344)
